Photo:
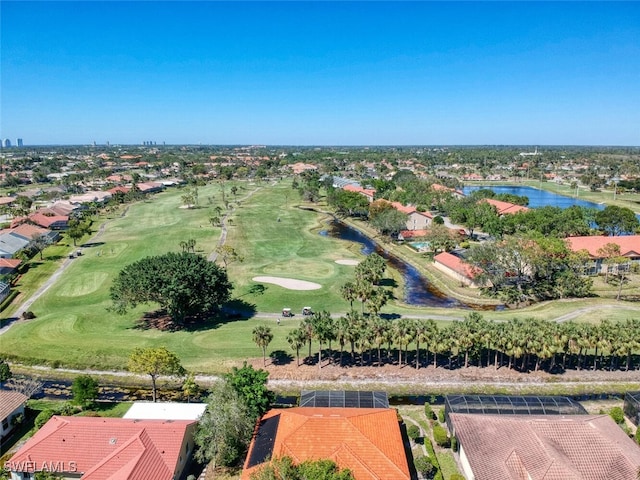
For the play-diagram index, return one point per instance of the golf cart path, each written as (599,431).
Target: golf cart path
(52,279)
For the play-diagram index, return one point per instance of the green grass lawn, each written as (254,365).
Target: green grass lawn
(75,329)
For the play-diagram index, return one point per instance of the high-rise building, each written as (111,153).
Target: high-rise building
(6,143)
(19,142)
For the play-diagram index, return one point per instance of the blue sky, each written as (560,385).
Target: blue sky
(321,73)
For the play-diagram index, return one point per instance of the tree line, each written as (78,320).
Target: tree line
(523,344)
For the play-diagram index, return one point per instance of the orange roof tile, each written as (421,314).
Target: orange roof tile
(368,192)
(28,231)
(107,448)
(406,234)
(11,263)
(456,264)
(46,221)
(629,244)
(367,441)
(505,208)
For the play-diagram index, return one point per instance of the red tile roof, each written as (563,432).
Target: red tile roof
(406,234)
(505,208)
(107,448)
(456,264)
(580,447)
(28,231)
(367,192)
(119,189)
(10,263)
(367,441)
(47,221)
(629,245)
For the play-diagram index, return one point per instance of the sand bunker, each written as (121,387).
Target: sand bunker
(347,262)
(290,283)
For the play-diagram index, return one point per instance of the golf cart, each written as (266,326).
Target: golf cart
(307,311)
(286,312)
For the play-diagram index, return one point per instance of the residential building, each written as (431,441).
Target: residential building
(97,448)
(11,407)
(367,441)
(629,248)
(505,208)
(457,268)
(9,265)
(574,447)
(369,193)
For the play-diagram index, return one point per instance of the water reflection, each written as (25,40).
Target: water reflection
(418,291)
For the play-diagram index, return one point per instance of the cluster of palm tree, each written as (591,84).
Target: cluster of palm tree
(366,285)
(523,344)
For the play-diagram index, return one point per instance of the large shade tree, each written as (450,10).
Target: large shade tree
(617,220)
(183,284)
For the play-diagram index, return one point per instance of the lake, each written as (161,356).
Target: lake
(538,198)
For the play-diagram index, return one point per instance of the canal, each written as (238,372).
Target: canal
(418,290)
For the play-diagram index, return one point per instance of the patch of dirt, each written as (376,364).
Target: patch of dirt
(160,320)
(282,372)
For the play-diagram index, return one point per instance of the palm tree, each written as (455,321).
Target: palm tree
(630,338)
(437,344)
(355,320)
(379,331)
(348,292)
(379,299)
(423,330)
(307,327)
(322,330)
(262,337)
(296,340)
(402,334)
(342,334)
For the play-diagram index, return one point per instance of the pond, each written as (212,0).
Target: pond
(538,198)
(418,290)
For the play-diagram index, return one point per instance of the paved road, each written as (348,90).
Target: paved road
(51,280)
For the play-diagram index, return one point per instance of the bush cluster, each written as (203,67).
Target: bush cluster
(413,432)
(440,436)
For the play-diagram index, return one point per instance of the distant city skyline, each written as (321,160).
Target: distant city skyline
(320,73)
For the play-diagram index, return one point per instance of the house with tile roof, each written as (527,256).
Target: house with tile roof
(441,188)
(49,221)
(11,407)
(505,208)
(457,268)
(629,248)
(416,220)
(150,187)
(9,265)
(369,193)
(99,448)
(572,447)
(367,441)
